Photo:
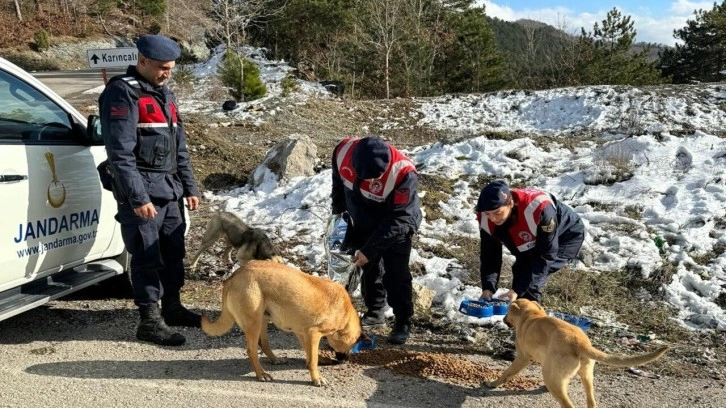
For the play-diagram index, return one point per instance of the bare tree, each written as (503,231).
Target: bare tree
(188,10)
(380,23)
(422,44)
(530,51)
(234,17)
(18,13)
(563,58)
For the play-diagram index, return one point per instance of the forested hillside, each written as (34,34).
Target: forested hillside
(382,48)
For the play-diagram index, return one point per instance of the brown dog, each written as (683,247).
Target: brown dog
(222,224)
(255,244)
(292,300)
(561,348)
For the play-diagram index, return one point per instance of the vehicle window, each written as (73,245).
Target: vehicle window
(28,116)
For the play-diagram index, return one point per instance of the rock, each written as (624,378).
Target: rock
(423,297)
(197,51)
(292,157)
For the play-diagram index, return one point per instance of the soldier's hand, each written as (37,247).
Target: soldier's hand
(359,259)
(511,295)
(147,211)
(192,202)
(486,295)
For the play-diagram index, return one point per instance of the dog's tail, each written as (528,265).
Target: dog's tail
(624,361)
(222,325)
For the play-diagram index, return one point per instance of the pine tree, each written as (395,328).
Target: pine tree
(605,56)
(242,77)
(702,56)
(472,62)
(310,33)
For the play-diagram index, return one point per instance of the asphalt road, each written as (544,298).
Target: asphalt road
(71,83)
(83,353)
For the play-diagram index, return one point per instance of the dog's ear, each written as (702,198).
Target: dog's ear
(514,307)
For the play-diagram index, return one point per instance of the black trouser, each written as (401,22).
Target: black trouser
(569,243)
(389,277)
(157,250)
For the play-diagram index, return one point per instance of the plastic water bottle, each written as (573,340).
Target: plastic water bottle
(337,268)
(338,235)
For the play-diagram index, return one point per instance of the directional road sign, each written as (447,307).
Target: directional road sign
(112,57)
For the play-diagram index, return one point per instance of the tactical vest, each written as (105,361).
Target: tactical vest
(523,232)
(379,189)
(156,131)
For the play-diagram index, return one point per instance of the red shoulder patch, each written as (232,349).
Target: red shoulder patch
(119,111)
(400,197)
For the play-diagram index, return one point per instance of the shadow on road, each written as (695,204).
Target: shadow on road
(217,370)
(401,391)
(117,322)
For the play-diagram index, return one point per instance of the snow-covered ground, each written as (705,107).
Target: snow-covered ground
(639,165)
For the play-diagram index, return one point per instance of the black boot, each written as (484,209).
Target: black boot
(152,328)
(372,319)
(177,315)
(400,332)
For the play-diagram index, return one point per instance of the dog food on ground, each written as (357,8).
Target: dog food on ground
(445,367)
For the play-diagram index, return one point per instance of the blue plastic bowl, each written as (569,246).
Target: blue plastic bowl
(500,306)
(582,322)
(361,344)
(476,309)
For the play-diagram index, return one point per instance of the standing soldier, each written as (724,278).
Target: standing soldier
(377,186)
(147,154)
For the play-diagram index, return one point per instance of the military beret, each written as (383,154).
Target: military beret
(158,47)
(371,157)
(493,196)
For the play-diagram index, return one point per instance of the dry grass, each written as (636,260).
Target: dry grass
(613,165)
(569,290)
(466,251)
(633,211)
(438,189)
(709,256)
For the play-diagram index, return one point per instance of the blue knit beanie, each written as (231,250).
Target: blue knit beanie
(493,196)
(371,157)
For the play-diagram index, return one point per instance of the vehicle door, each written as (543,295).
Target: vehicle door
(52,201)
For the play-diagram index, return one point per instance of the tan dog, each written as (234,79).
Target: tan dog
(222,224)
(562,349)
(292,300)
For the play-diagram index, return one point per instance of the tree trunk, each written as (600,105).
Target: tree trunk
(388,73)
(17,10)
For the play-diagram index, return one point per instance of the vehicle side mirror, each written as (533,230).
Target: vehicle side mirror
(93,131)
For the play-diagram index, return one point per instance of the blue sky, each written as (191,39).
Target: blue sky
(654,20)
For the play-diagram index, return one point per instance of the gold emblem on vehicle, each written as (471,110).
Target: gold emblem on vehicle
(56,189)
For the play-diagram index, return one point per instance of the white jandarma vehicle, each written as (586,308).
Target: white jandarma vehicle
(57,228)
